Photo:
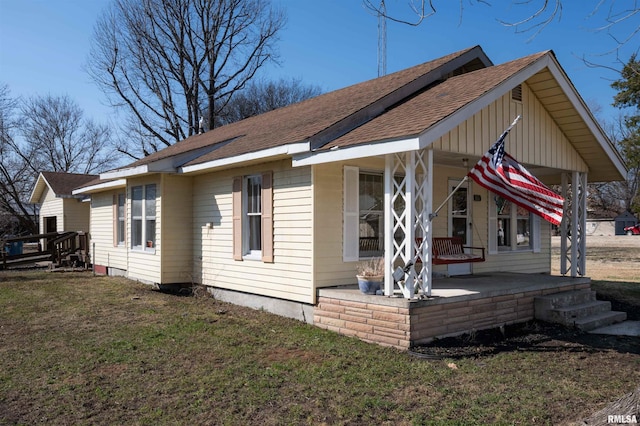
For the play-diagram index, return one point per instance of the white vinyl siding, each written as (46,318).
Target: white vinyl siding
(329,222)
(535,140)
(76,215)
(102,229)
(71,213)
(52,207)
(290,275)
(176,244)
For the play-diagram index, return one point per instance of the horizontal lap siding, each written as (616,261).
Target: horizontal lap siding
(76,215)
(524,261)
(290,275)
(52,206)
(330,269)
(177,242)
(101,232)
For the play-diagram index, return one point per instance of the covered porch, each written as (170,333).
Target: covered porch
(456,305)
(409,235)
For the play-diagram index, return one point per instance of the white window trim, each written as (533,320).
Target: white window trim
(351,214)
(143,247)
(534,224)
(246,228)
(121,220)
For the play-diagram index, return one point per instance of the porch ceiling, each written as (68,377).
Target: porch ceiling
(567,109)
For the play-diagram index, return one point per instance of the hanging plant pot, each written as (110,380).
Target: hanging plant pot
(370,284)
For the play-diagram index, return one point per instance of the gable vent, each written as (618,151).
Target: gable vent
(516,93)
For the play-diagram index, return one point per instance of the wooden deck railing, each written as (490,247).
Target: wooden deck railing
(56,247)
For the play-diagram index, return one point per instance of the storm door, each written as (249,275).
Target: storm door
(459,218)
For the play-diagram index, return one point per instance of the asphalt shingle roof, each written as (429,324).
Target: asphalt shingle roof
(417,114)
(297,122)
(62,183)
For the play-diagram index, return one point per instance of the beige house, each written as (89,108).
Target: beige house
(277,210)
(60,210)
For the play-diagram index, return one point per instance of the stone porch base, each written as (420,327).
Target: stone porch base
(461,305)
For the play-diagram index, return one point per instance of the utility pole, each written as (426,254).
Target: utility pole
(382,39)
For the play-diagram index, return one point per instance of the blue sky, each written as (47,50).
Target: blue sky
(330,43)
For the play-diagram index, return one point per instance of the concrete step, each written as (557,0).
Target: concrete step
(601,319)
(543,305)
(565,298)
(568,314)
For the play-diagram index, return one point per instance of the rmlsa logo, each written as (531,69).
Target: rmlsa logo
(622,419)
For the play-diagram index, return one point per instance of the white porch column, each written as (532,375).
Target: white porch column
(388,224)
(573,244)
(564,225)
(408,194)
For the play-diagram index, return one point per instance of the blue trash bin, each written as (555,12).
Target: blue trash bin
(14,248)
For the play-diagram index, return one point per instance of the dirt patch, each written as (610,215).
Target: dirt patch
(534,336)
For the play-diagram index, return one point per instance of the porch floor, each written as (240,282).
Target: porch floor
(461,288)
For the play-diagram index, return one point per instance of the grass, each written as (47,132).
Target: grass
(78,349)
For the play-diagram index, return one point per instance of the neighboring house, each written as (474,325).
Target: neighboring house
(274,209)
(60,210)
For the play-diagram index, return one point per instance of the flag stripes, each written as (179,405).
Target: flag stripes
(500,173)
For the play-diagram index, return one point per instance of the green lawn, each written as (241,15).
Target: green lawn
(78,349)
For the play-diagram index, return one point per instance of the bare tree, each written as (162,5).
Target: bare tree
(15,175)
(58,137)
(262,96)
(43,134)
(538,14)
(167,63)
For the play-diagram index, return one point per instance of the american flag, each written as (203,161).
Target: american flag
(500,173)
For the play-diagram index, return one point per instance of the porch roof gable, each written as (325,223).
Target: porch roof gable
(421,120)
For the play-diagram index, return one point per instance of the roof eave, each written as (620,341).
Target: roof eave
(357,151)
(288,150)
(112,184)
(38,189)
(584,112)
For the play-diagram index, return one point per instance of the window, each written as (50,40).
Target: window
(252,215)
(120,219)
(512,227)
(252,205)
(363,220)
(371,217)
(143,217)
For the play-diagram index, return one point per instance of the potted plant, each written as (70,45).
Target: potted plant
(370,275)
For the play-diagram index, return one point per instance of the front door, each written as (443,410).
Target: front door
(459,217)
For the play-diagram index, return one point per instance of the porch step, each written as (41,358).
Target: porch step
(602,319)
(577,308)
(568,314)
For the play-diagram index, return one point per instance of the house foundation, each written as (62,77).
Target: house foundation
(286,308)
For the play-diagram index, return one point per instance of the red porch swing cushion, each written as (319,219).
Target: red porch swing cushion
(448,250)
